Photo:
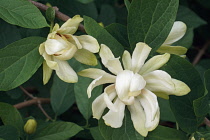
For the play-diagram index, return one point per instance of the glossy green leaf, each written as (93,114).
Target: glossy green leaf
(95,132)
(166,133)
(19,61)
(165,111)
(22,13)
(125,132)
(57,131)
(119,32)
(62,95)
(103,36)
(183,107)
(150,21)
(207,81)
(127,4)
(85,1)
(8,34)
(10,116)
(8,132)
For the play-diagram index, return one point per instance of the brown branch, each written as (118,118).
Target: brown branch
(32,102)
(43,111)
(58,14)
(207,122)
(201,53)
(26,92)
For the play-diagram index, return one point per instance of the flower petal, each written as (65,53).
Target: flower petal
(177,32)
(106,78)
(139,56)
(50,61)
(92,73)
(89,43)
(115,119)
(109,61)
(154,63)
(136,85)
(65,72)
(122,84)
(126,59)
(42,48)
(86,57)
(180,88)
(149,102)
(67,53)
(71,25)
(178,50)
(99,104)
(47,72)
(52,46)
(138,117)
(158,82)
(107,91)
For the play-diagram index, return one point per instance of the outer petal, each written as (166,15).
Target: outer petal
(149,102)
(47,72)
(115,119)
(50,61)
(89,43)
(126,59)
(158,82)
(65,72)
(139,56)
(92,73)
(138,117)
(106,78)
(180,88)
(109,61)
(177,32)
(99,104)
(42,48)
(178,50)
(71,25)
(52,46)
(86,57)
(154,63)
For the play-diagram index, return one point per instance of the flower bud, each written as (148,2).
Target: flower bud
(30,126)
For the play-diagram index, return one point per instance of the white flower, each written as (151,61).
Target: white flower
(135,86)
(177,32)
(62,45)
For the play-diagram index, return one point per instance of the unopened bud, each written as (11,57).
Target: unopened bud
(30,126)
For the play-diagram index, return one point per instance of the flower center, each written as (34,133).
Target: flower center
(128,85)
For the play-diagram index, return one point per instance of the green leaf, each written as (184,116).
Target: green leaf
(19,61)
(8,34)
(103,37)
(127,4)
(107,15)
(207,81)
(57,131)
(80,89)
(10,116)
(165,111)
(182,107)
(85,1)
(95,132)
(22,13)
(8,132)
(125,132)
(62,95)
(165,133)
(191,19)
(119,32)
(150,21)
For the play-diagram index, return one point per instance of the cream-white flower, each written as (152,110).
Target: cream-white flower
(177,32)
(62,45)
(135,86)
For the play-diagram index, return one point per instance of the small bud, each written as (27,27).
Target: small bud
(30,126)
(101,24)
